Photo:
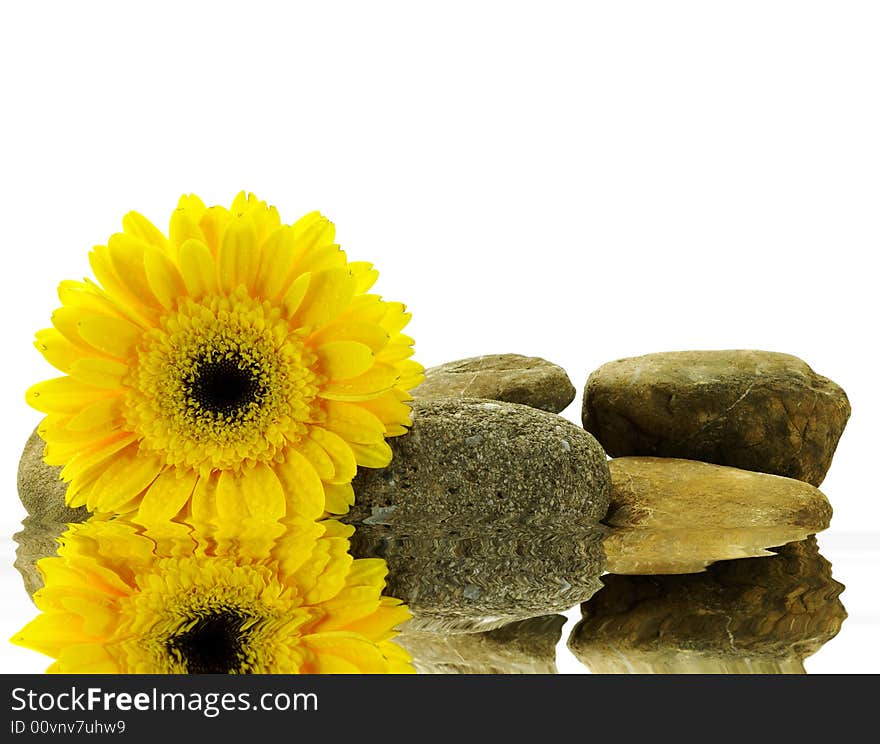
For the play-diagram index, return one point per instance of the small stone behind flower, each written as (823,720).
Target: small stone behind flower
(41,489)
(530,381)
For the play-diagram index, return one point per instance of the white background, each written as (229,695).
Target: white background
(580,181)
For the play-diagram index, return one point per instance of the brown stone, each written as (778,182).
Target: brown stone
(678,516)
(524,647)
(756,615)
(530,381)
(756,410)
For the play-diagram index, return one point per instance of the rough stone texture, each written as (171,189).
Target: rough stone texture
(37,540)
(463,576)
(756,410)
(525,647)
(40,489)
(678,516)
(470,460)
(752,615)
(530,381)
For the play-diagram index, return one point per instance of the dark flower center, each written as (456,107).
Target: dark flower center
(225,386)
(214,645)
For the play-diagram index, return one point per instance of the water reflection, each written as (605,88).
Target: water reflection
(263,597)
(754,615)
(469,577)
(37,539)
(480,598)
(524,647)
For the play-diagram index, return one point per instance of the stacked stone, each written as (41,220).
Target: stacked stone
(717,455)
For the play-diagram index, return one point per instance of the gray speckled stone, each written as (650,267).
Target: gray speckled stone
(531,381)
(470,460)
(755,410)
(40,488)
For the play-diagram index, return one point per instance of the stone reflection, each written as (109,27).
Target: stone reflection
(524,647)
(754,615)
(36,540)
(459,578)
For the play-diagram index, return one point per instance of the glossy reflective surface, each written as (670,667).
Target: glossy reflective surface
(754,615)
(484,599)
(472,577)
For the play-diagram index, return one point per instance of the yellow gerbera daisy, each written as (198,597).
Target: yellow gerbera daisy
(226,371)
(117,599)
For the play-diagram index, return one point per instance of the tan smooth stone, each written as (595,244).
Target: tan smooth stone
(671,516)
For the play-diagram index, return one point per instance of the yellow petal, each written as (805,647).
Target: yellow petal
(79,458)
(301,483)
(340,452)
(59,351)
(369,334)
(264,494)
(389,409)
(163,277)
(365,275)
(238,257)
(317,458)
(113,336)
(50,632)
(344,359)
(231,498)
(126,477)
(372,455)
(213,223)
(184,224)
(377,380)
(338,497)
(198,268)
(276,263)
(204,503)
(103,373)
(87,296)
(118,291)
(127,257)
(380,625)
(166,496)
(86,658)
(321,259)
(353,423)
(62,394)
(66,321)
(138,226)
(313,231)
(101,415)
(395,317)
(329,293)
(345,653)
(295,294)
